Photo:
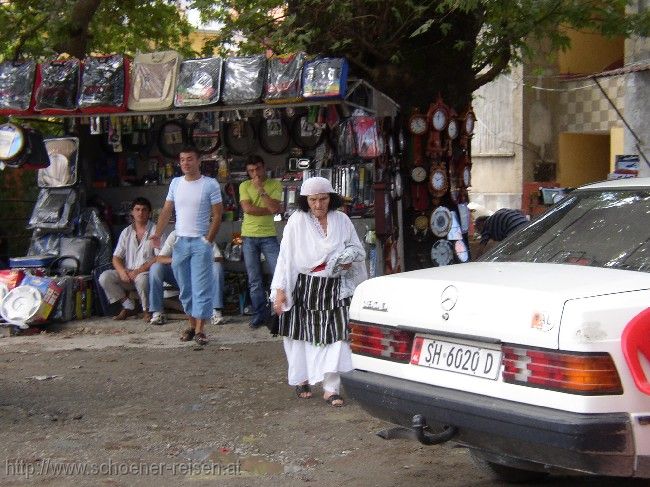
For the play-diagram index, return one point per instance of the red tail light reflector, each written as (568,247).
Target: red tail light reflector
(573,372)
(381,342)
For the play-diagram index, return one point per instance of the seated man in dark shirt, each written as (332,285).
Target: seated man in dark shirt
(499,225)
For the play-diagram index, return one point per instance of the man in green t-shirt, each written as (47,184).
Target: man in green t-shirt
(260,198)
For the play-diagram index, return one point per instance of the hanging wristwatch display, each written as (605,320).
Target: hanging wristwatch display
(391,257)
(461,251)
(442,253)
(438,183)
(418,174)
(440,221)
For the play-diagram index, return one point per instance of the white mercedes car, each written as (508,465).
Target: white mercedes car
(537,357)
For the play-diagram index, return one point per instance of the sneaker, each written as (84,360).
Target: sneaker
(217,318)
(158,318)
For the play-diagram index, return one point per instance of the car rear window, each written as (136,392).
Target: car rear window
(601,228)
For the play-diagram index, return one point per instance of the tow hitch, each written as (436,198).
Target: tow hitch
(417,432)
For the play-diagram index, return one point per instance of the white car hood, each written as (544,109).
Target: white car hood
(509,302)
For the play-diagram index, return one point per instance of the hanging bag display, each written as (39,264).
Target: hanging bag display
(104,84)
(17,81)
(58,90)
(63,153)
(325,78)
(154,80)
(283,78)
(243,80)
(199,82)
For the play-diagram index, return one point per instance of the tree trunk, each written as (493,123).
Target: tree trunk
(74,38)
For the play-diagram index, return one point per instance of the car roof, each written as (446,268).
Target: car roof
(619,184)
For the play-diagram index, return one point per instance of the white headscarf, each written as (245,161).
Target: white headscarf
(316,185)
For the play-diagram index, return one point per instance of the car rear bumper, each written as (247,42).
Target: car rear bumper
(600,444)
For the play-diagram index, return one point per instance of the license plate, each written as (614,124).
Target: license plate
(456,357)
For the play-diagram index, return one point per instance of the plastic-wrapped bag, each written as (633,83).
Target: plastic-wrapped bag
(243,79)
(104,84)
(325,78)
(283,78)
(17,79)
(199,82)
(91,225)
(154,80)
(59,87)
(55,209)
(366,134)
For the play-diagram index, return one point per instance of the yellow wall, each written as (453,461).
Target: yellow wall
(590,53)
(616,145)
(583,158)
(198,37)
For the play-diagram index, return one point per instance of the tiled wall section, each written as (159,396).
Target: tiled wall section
(586,110)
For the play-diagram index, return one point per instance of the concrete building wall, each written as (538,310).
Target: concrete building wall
(496,155)
(637,101)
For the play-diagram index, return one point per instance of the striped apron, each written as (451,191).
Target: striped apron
(318,315)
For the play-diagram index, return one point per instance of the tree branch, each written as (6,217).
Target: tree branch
(25,36)
(501,63)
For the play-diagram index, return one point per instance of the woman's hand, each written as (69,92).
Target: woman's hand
(280,300)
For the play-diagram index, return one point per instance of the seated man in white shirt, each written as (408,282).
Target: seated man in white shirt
(161,273)
(132,258)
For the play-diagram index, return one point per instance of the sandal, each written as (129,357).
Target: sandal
(303,389)
(187,334)
(201,339)
(334,397)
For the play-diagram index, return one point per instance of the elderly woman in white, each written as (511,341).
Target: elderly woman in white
(320,264)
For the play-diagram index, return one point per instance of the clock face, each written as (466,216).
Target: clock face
(467,177)
(421,223)
(442,253)
(439,119)
(469,123)
(418,174)
(452,129)
(438,180)
(440,222)
(418,124)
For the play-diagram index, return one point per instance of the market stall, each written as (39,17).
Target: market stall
(304,116)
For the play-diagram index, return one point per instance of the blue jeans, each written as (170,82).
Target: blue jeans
(159,274)
(253,248)
(192,265)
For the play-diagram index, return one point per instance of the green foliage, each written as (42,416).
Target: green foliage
(46,27)
(477,39)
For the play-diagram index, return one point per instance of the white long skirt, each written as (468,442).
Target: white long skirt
(310,363)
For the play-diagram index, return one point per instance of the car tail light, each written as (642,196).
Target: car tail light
(381,342)
(577,373)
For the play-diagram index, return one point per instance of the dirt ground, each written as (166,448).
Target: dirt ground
(102,403)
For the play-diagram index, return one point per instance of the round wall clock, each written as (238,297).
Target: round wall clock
(442,253)
(440,222)
(438,183)
(418,174)
(439,119)
(418,124)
